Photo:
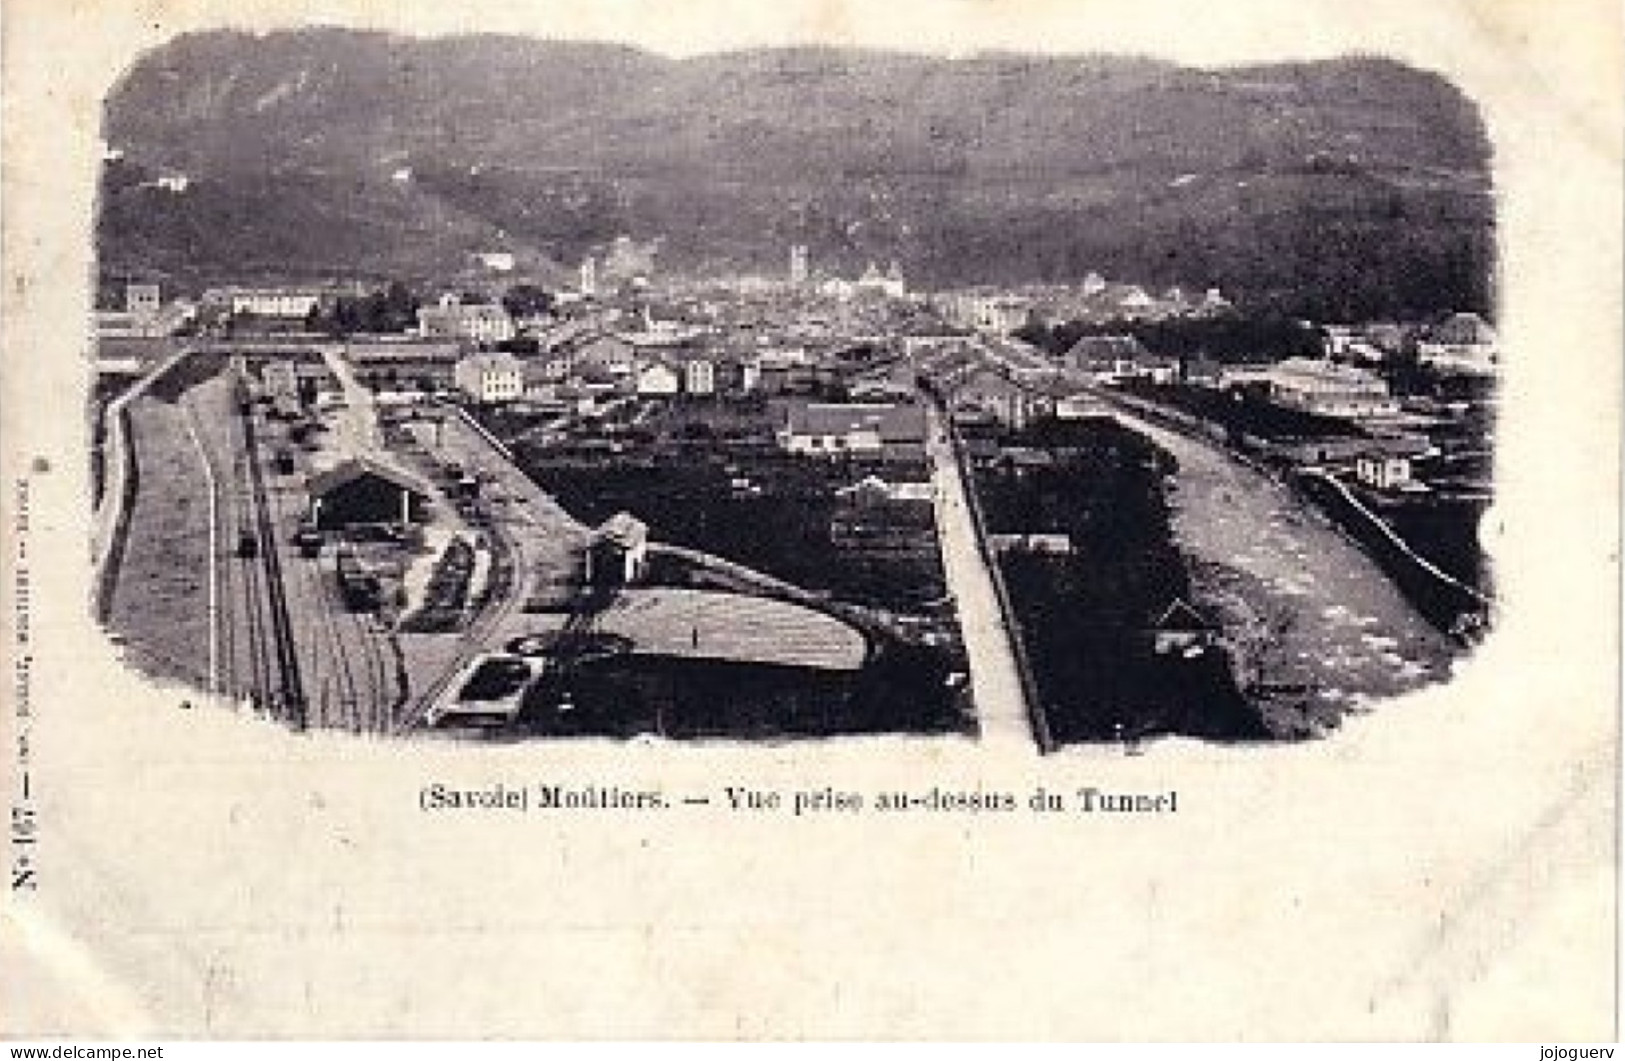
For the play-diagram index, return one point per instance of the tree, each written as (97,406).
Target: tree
(527,300)
(398,310)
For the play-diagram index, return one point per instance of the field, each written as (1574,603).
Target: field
(705,479)
(727,626)
(158,603)
(902,689)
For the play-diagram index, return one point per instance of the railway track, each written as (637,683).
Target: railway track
(291,703)
(256,652)
(358,666)
(238,583)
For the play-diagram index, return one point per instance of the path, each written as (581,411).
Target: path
(1001,705)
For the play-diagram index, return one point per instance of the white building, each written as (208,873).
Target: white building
(890,283)
(1328,389)
(285,302)
(490,377)
(618,550)
(479,323)
(700,376)
(1383,471)
(143,300)
(994,313)
(1118,359)
(836,429)
(656,379)
(1463,345)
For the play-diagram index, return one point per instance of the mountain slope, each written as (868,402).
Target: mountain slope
(997,168)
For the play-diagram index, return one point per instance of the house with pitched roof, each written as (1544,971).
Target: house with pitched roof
(617,551)
(986,391)
(1119,358)
(365,490)
(836,429)
(490,377)
(1182,630)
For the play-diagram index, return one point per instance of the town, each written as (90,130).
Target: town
(635,504)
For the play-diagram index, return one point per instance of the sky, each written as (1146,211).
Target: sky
(1202,33)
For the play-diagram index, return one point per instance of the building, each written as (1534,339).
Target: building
(363,490)
(588,281)
(496,261)
(288,303)
(393,363)
(986,312)
(1462,329)
(1118,359)
(1384,471)
(603,353)
(482,323)
(700,377)
(1461,345)
(1321,387)
(495,377)
(830,429)
(1182,630)
(142,301)
(657,379)
(375,351)
(798,264)
(544,372)
(618,551)
(985,391)
(1135,302)
(889,283)
(1079,407)
(874,490)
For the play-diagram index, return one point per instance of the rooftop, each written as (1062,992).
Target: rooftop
(892,422)
(623,529)
(352,468)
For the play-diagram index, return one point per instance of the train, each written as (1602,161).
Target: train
(359,585)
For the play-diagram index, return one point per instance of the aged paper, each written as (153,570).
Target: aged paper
(1442,866)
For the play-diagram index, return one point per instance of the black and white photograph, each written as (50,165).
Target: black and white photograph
(523,388)
(1058,521)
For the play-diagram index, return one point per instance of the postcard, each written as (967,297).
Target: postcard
(984,519)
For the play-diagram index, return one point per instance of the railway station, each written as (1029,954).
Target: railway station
(365,490)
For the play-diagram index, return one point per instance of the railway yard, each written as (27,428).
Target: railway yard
(299,553)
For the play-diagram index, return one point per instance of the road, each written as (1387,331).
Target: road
(358,423)
(1001,704)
